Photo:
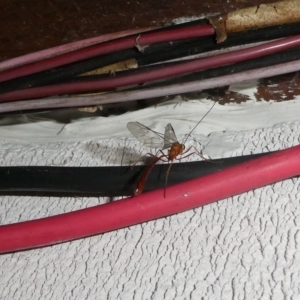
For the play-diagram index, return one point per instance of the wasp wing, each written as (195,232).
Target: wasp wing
(145,135)
(169,137)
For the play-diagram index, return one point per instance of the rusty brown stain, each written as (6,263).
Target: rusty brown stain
(279,88)
(224,96)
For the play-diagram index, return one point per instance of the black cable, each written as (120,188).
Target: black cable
(272,59)
(152,54)
(255,63)
(208,43)
(60,74)
(103,181)
(68,71)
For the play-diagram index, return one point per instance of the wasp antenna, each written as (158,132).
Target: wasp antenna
(200,121)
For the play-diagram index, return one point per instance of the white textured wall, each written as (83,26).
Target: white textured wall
(245,247)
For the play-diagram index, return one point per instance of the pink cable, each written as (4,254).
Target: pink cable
(175,89)
(152,205)
(142,77)
(58,50)
(108,47)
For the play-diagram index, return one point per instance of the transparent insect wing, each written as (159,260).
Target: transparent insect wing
(169,137)
(145,135)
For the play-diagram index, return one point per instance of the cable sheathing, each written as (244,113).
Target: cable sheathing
(127,42)
(152,54)
(151,205)
(148,93)
(66,48)
(160,73)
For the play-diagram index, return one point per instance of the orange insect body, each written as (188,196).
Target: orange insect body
(153,139)
(175,150)
(140,185)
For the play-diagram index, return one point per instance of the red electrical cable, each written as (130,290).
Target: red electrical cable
(108,47)
(152,205)
(149,93)
(160,73)
(62,49)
